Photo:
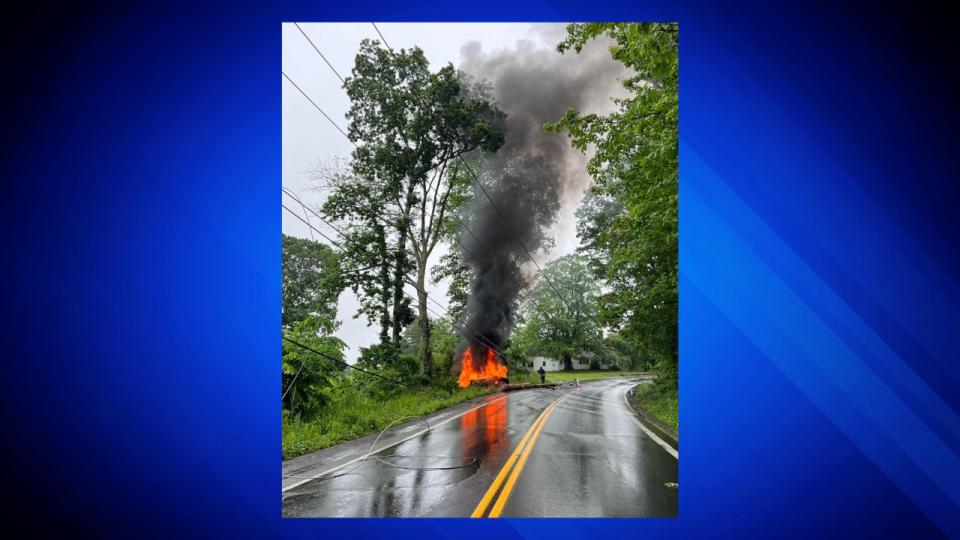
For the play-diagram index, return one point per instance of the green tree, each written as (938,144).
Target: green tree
(311,280)
(615,351)
(561,315)
(629,222)
(305,373)
(368,255)
(451,265)
(410,126)
(445,342)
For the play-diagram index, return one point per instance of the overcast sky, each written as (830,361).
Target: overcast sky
(308,137)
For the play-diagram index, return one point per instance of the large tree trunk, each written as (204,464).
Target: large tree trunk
(384,284)
(426,351)
(398,274)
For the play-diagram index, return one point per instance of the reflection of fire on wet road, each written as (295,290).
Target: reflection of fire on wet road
(487,427)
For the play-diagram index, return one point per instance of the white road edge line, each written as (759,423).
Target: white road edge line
(670,450)
(391,445)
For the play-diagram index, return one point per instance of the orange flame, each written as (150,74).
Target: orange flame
(491,370)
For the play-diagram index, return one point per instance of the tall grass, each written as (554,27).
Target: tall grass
(352,413)
(659,400)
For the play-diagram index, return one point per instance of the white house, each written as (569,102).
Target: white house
(550,364)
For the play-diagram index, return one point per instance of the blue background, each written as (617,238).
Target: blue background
(820,300)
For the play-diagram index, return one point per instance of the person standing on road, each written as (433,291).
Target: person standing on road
(543,375)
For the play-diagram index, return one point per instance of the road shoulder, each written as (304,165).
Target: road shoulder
(662,429)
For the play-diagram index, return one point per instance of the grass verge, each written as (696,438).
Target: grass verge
(567,376)
(356,414)
(659,401)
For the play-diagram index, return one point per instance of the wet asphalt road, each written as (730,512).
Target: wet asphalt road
(569,452)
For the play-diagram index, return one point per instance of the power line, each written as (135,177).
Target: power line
(308,209)
(389,48)
(307,223)
(334,124)
(293,196)
(320,53)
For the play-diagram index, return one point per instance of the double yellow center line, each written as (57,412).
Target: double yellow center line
(498,497)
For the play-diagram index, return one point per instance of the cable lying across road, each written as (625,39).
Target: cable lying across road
(365,456)
(450,468)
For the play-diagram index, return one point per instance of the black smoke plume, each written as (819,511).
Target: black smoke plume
(531,177)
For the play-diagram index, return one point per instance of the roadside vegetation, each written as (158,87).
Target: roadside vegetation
(417,133)
(354,412)
(659,401)
(324,401)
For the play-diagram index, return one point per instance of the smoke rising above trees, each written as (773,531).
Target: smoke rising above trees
(532,177)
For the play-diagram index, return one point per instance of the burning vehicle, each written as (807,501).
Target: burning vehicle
(484,368)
